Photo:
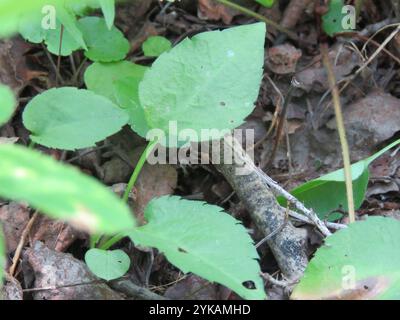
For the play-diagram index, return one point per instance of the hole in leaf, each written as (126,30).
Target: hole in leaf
(182,250)
(249,285)
(222,103)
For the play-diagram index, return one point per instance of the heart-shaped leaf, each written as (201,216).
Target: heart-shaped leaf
(208,82)
(7,104)
(200,238)
(60,191)
(107,264)
(68,118)
(360,262)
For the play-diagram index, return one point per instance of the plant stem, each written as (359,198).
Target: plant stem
(111,241)
(260,17)
(108,243)
(341,130)
(94,240)
(137,170)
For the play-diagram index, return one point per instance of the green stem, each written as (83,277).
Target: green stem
(94,240)
(110,242)
(260,17)
(137,170)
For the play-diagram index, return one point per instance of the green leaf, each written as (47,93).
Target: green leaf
(68,19)
(155,46)
(11,12)
(68,118)
(101,77)
(332,20)
(127,95)
(7,104)
(360,262)
(32,30)
(69,44)
(106,264)
(61,191)
(108,8)
(119,82)
(209,81)
(103,44)
(200,238)
(328,193)
(266,3)
(30,27)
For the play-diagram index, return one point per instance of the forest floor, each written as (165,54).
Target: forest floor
(308,146)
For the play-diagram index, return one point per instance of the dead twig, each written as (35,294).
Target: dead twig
(21,244)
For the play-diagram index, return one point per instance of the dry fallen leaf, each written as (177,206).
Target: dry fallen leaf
(211,10)
(56,235)
(283,59)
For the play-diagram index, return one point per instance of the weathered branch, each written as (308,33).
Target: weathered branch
(288,246)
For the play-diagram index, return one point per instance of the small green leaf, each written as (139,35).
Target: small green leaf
(106,264)
(7,104)
(61,191)
(328,193)
(68,118)
(208,82)
(266,3)
(108,8)
(332,20)
(360,262)
(200,238)
(103,44)
(52,41)
(155,46)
